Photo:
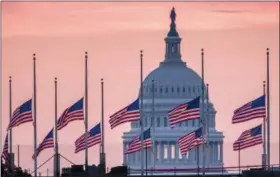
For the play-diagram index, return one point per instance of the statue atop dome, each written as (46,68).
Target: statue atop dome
(173,15)
(173,32)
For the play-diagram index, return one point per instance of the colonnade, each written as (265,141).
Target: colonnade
(167,152)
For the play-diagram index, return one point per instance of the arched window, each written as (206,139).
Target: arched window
(184,89)
(178,90)
(166,89)
(160,90)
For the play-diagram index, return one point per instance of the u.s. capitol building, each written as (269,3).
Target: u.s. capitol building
(174,83)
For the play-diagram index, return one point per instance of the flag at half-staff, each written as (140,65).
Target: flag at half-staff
(249,138)
(128,114)
(93,138)
(74,112)
(135,143)
(46,143)
(253,110)
(190,141)
(4,155)
(184,112)
(21,115)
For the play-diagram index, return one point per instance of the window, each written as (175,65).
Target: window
(172,151)
(165,122)
(158,150)
(184,90)
(160,90)
(158,122)
(193,123)
(172,89)
(155,89)
(189,89)
(193,89)
(166,89)
(165,151)
(172,48)
(180,124)
(187,123)
(180,155)
(178,89)
(146,121)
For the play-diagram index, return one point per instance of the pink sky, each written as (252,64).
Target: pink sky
(234,36)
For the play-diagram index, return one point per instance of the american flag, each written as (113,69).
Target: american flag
(183,112)
(21,115)
(74,112)
(135,143)
(5,150)
(252,110)
(249,138)
(128,114)
(47,143)
(93,138)
(190,141)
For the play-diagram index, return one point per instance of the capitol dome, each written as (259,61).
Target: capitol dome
(172,77)
(174,83)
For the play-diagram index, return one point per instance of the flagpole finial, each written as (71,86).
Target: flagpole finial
(55,79)
(267,51)
(202,51)
(101,80)
(34,56)
(10,78)
(86,54)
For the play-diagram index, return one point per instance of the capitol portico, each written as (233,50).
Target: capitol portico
(174,83)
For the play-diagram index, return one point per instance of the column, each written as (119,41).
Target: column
(222,152)
(176,152)
(161,154)
(124,156)
(169,151)
(215,152)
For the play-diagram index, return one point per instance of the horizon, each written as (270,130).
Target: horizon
(234,37)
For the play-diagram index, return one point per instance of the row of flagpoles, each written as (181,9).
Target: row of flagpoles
(257,108)
(26,112)
(187,111)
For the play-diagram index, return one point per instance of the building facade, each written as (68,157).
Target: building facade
(174,83)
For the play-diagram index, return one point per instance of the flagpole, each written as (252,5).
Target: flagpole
(202,113)
(103,161)
(239,158)
(11,114)
(141,111)
(207,123)
(153,124)
(56,158)
(35,115)
(86,113)
(268,109)
(264,135)
(18,156)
